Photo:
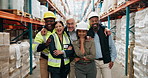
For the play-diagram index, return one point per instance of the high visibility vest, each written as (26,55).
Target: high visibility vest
(56,62)
(39,39)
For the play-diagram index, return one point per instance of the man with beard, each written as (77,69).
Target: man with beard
(41,42)
(70,29)
(105,47)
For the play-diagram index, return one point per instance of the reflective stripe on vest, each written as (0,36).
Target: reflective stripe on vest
(44,38)
(56,62)
(37,44)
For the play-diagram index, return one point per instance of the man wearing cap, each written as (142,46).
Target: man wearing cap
(41,42)
(105,47)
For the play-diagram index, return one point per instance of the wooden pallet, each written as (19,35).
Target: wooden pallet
(42,20)
(122,3)
(37,19)
(104,13)
(14,11)
(27,15)
(111,9)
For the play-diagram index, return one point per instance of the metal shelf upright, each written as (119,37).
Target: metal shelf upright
(133,4)
(16,18)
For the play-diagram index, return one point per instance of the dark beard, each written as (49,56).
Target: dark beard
(95,28)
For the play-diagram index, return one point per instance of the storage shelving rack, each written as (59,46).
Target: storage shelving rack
(125,9)
(24,23)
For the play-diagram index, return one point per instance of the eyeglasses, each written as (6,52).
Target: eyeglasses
(49,21)
(70,23)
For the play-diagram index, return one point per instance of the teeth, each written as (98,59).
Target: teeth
(49,25)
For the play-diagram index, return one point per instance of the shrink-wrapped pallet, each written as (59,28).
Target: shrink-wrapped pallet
(112,4)
(104,7)
(141,28)
(4,68)
(4,55)
(36,9)
(123,28)
(4,38)
(118,29)
(17,4)
(120,2)
(16,74)
(140,62)
(120,47)
(12,4)
(113,28)
(43,9)
(24,47)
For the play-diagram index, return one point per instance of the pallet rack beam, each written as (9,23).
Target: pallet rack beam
(128,3)
(15,17)
(20,35)
(1,25)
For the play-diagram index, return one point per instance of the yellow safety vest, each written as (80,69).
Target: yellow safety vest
(39,39)
(56,62)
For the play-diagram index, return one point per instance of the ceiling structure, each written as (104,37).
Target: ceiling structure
(79,9)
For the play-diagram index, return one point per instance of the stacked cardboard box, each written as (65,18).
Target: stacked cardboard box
(4,55)
(19,60)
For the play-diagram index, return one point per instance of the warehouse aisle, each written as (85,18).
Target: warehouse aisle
(117,72)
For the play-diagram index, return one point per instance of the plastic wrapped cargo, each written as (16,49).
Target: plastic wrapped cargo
(140,62)
(123,28)
(120,52)
(4,4)
(141,28)
(36,8)
(104,6)
(112,4)
(4,38)
(120,2)
(43,9)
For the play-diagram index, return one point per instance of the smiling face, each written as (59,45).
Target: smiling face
(94,23)
(71,25)
(49,23)
(82,33)
(59,28)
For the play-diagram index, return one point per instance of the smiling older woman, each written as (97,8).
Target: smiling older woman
(60,51)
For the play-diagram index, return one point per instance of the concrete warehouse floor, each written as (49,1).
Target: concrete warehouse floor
(117,72)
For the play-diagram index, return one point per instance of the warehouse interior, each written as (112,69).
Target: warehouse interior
(21,20)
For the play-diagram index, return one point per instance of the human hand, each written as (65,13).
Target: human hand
(76,59)
(84,58)
(44,31)
(48,42)
(88,38)
(82,39)
(70,48)
(57,52)
(107,31)
(111,64)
